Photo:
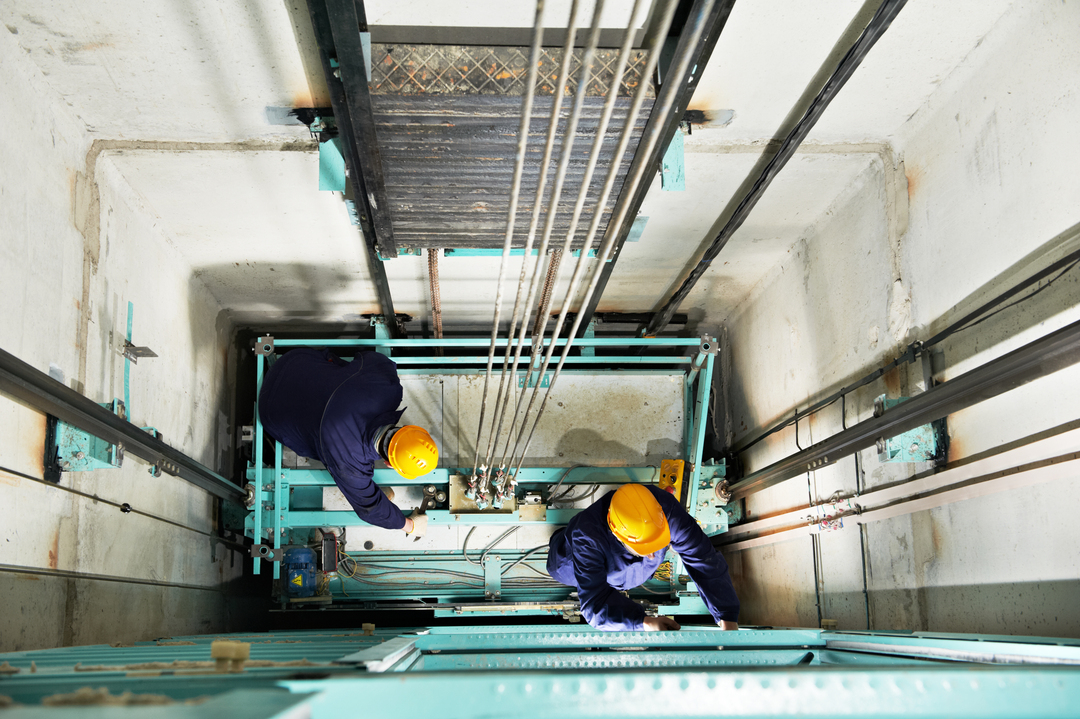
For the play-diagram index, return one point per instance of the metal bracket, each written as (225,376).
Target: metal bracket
(493,577)
(155,469)
(264,345)
(709,345)
(133,353)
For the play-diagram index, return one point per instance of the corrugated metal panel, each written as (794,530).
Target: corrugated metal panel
(449,162)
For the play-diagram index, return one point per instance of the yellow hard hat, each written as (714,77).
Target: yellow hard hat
(636,518)
(412,452)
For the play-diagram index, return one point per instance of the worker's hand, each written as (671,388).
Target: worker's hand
(660,624)
(416,525)
(728,626)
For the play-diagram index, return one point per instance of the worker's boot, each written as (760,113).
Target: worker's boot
(389,492)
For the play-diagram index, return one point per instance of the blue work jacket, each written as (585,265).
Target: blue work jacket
(588,556)
(322,407)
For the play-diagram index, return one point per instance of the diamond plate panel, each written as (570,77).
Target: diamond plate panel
(476,70)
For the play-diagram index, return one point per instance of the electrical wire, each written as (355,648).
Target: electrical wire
(524,557)
(562,479)
(484,553)
(563,499)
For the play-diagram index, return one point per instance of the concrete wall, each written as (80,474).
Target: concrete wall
(991,195)
(75,249)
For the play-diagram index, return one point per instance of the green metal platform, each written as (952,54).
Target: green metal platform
(558,671)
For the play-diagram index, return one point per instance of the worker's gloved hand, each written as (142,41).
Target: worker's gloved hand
(416,525)
(660,624)
(728,626)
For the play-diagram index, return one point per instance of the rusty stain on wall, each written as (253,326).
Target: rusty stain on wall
(54,553)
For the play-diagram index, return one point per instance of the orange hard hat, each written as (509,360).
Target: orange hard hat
(412,452)
(637,520)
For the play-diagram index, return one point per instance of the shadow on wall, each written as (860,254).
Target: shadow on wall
(1042,609)
(587,446)
(999,323)
(256,292)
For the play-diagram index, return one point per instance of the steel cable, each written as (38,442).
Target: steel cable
(598,141)
(556,192)
(665,102)
(515,190)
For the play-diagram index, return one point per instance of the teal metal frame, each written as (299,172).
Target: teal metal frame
(282,512)
(560,671)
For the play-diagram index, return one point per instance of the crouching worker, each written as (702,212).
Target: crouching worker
(619,542)
(345,415)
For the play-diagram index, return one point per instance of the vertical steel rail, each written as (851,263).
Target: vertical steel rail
(324,38)
(260,361)
(701,418)
(515,190)
(278,514)
(347,19)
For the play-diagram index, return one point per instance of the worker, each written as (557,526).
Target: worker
(619,542)
(345,415)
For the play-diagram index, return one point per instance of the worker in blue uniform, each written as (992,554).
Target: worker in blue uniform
(345,415)
(619,542)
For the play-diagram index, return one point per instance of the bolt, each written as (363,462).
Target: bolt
(66,465)
(125,507)
(80,455)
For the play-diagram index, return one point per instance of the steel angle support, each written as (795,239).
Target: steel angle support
(713,21)
(764,174)
(566,637)
(257,529)
(1040,358)
(376,241)
(39,390)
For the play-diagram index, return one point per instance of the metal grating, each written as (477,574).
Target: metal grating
(478,70)
(449,160)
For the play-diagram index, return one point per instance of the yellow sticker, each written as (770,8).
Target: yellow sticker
(298,580)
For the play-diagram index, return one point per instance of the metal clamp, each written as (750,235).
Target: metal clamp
(709,345)
(264,345)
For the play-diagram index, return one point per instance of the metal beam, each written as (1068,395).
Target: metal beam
(42,392)
(877,26)
(347,21)
(324,38)
(1042,357)
(668,126)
